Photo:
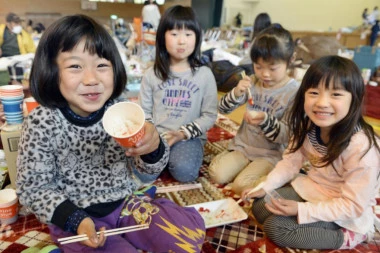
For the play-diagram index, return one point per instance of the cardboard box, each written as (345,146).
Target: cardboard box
(10,136)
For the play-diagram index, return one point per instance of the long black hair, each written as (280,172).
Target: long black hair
(176,17)
(261,22)
(333,72)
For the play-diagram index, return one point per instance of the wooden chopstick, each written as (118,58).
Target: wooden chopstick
(258,187)
(116,231)
(175,188)
(250,99)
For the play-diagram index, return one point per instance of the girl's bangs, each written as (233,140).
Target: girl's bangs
(269,49)
(181,23)
(93,44)
(335,73)
(330,79)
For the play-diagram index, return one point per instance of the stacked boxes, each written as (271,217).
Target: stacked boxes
(10,136)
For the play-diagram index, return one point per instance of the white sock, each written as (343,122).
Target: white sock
(351,239)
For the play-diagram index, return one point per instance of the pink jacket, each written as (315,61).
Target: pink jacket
(346,199)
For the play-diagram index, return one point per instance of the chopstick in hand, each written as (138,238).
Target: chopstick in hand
(258,187)
(250,99)
(116,231)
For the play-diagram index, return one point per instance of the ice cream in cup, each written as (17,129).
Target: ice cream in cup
(125,121)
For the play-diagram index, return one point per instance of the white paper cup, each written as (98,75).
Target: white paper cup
(125,121)
(8,206)
(30,103)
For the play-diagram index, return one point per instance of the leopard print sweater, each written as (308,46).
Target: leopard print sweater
(59,161)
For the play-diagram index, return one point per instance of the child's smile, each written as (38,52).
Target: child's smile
(92,96)
(86,81)
(327,106)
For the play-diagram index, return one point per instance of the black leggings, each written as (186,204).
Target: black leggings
(286,232)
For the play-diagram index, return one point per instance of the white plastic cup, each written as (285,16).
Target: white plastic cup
(271,195)
(366,74)
(116,119)
(8,206)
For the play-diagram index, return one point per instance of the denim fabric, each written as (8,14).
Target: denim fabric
(185,160)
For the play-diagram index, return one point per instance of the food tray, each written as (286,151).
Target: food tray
(210,212)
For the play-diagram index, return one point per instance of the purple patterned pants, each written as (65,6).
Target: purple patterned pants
(172,229)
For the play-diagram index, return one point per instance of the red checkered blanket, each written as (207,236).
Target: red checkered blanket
(243,237)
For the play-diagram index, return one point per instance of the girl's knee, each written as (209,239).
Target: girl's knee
(171,225)
(238,186)
(279,229)
(216,174)
(185,178)
(259,211)
(223,168)
(184,172)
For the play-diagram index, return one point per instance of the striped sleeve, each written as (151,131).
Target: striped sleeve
(229,102)
(191,130)
(271,127)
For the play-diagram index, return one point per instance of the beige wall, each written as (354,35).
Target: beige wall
(315,15)
(296,15)
(46,11)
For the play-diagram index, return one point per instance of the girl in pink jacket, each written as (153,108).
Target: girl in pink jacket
(332,164)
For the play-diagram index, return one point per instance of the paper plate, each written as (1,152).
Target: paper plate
(210,212)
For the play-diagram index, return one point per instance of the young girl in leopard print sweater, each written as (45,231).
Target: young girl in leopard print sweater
(71,173)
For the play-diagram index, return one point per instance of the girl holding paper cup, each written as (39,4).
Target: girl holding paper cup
(73,175)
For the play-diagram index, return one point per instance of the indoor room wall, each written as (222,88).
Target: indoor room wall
(46,11)
(296,15)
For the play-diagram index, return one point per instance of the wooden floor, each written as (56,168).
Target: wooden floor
(375,124)
(237,116)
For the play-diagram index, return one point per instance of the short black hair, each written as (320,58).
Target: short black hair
(272,44)
(62,36)
(13,17)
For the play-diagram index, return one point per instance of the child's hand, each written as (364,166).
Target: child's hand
(87,227)
(246,195)
(148,143)
(254,117)
(283,207)
(242,86)
(172,137)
